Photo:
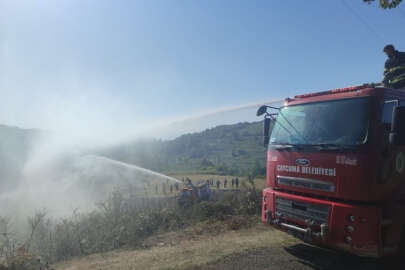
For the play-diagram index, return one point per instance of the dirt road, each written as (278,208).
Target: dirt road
(297,257)
(256,248)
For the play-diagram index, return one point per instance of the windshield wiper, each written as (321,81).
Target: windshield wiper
(332,146)
(293,127)
(280,146)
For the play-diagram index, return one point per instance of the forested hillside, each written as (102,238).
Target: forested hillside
(229,149)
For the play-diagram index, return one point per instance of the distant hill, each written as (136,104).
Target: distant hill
(228,149)
(15,145)
(76,179)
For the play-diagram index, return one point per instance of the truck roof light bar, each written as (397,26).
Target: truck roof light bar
(335,91)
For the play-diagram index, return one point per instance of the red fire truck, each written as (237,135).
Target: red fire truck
(336,169)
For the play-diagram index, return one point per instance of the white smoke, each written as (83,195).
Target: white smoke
(61,174)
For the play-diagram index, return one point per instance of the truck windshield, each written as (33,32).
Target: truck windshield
(338,122)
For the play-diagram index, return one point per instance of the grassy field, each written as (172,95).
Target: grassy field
(196,178)
(159,188)
(196,246)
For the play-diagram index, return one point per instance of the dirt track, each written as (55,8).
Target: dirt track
(256,248)
(296,257)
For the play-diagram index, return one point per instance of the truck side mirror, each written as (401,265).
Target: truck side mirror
(262,110)
(397,134)
(268,124)
(268,121)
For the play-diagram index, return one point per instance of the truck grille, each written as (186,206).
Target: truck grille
(306,183)
(318,213)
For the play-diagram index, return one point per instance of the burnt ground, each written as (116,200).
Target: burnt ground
(298,257)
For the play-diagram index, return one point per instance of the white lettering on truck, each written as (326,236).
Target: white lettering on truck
(307,170)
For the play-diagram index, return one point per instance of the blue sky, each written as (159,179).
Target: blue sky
(98,66)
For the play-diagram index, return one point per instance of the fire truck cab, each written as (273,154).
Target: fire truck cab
(336,168)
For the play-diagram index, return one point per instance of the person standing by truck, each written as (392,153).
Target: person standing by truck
(394,68)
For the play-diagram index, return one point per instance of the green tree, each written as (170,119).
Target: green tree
(386,4)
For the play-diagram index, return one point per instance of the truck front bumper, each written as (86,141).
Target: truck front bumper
(353,228)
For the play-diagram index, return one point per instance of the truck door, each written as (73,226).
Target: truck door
(388,152)
(392,180)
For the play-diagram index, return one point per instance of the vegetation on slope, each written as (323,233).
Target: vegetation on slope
(125,222)
(229,149)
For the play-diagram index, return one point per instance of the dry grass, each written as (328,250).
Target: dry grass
(260,183)
(186,252)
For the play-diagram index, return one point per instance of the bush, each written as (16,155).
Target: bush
(216,210)
(237,223)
